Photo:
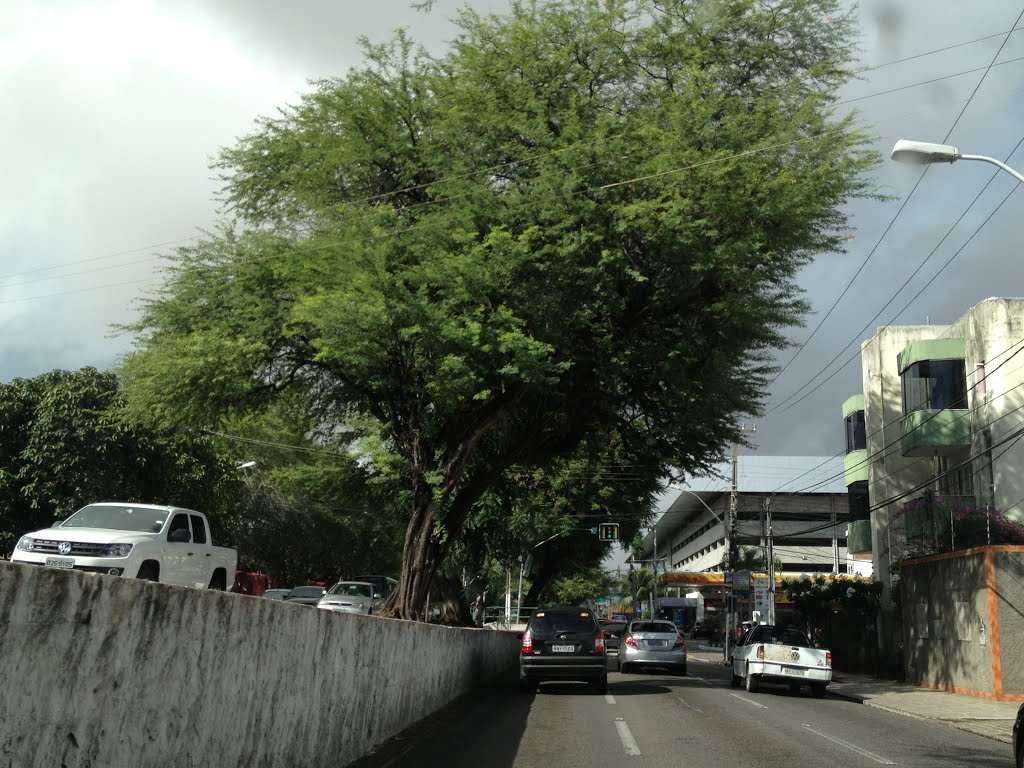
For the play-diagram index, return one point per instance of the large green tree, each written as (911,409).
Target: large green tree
(585,218)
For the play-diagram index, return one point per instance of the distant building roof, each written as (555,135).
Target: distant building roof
(767,474)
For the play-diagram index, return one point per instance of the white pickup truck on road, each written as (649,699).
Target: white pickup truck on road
(144,541)
(780,655)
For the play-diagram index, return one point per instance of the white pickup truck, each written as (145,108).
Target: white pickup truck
(144,541)
(780,655)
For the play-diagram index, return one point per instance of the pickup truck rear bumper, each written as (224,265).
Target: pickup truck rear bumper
(790,673)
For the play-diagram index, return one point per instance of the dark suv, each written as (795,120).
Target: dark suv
(563,644)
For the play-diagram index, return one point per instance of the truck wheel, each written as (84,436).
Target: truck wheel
(219,581)
(753,683)
(149,572)
(794,689)
(818,690)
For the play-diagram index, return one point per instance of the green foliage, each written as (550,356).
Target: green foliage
(585,585)
(818,596)
(583,220)
(754,559)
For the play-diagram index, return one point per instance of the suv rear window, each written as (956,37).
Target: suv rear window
(552,622)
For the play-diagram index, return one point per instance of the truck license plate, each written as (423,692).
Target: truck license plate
(59,562)
(794,672)
(563,648)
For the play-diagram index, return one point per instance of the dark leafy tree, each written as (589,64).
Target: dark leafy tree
(584,219)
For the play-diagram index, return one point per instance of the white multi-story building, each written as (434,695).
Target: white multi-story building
(803,496)
(940,417)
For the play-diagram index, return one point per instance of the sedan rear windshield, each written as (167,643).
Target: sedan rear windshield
(653,626)
(547,622)
(307,592)
(117,518)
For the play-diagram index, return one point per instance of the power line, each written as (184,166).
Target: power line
(786,400)
(900,210)
(578,145)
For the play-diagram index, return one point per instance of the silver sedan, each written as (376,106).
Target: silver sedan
(350,597)
(652,644)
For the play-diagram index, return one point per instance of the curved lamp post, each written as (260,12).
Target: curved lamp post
(923,153)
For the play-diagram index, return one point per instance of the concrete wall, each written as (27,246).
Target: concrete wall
(98,672)
(962,618)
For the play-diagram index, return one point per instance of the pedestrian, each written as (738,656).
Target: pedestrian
(478,611)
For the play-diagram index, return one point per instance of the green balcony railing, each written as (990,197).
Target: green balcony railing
(924,432)
(858,540)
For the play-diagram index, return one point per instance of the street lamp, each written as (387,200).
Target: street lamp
(923,153)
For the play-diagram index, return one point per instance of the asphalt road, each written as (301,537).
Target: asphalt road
(654,720)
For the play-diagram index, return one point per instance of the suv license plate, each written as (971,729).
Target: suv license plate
(59,562)
(563,648)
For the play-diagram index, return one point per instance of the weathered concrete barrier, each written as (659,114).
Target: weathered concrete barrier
(104,672)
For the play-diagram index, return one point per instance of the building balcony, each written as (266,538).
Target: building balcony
(856,467)
(946,432)
(858,539)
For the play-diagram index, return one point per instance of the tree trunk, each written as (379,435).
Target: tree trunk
(421,557)
(449,592)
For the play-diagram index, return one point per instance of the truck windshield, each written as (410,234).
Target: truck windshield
(117,518)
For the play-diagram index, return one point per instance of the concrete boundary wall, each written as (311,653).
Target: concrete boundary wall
(104,672)
(962,617)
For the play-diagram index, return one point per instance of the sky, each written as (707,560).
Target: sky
(113,110)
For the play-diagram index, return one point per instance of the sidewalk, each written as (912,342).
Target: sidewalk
(992,719)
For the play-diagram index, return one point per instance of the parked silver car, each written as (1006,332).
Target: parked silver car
(351,597)
(652,644)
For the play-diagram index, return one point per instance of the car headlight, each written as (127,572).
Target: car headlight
(116,550)
(26,543)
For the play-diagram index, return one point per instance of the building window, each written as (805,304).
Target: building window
(856,435)
(857,498)
(934,385)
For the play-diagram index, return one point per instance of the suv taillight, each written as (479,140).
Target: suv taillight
(828,658)
(630,641)
(599,642)
(527,642)
(760,652)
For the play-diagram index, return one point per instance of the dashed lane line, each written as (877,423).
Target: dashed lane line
(854,747)
(690,706)
(749,701)
(609,698)
(628,742)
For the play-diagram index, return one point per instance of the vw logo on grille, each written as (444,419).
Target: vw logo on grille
(64,547)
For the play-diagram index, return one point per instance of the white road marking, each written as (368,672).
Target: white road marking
(744,698)
(695,709)
(628,742)
(701,679)
(609,698)
(854,747)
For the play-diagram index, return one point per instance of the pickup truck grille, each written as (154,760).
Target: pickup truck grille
(82,549)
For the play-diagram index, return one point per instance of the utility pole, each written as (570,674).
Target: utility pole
(771,562)
(729,539)
(835,540)
(654,591)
